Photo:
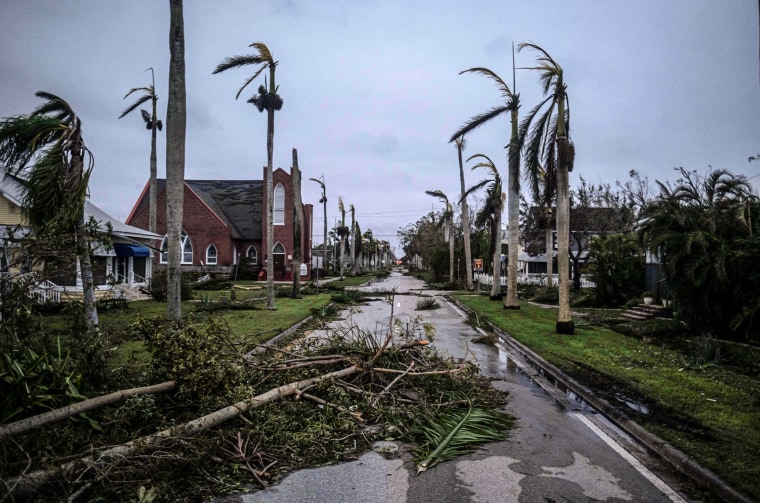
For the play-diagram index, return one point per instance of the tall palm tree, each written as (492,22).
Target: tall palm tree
(267,99)
(447,222)
(460,144)
(491,214)
(47,153)
(154,124)
(511,106)
(176,125)
(548,143)
(323,200)
(343,233)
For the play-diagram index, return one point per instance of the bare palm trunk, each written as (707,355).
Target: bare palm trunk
(513,214)
(465,220)
(175,159)
(297,226)
(549,251)
(565,154)
(496,236)
(153,183)
(270,195)
(353,242)
(76,171)
(451,251)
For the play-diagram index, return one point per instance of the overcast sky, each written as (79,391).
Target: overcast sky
(372,91)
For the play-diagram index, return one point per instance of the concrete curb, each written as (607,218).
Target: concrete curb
(678,459)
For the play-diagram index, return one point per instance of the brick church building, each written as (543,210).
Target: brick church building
(224,226)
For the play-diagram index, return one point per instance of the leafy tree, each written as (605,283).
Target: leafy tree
(616,266)
(511,106)
(447,222)
(153,124)
(705,230)
(490,214)
(267,99)
(547,143)
(176,124)
(46,152)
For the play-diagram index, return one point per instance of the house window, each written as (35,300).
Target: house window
(186,247)
(252,256)
(279,205)
(211,255)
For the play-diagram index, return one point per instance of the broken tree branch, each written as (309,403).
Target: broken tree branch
(34,422)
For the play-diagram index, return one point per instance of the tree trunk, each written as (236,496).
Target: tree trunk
(549,232)
(270,194)
(465,220)
(353,241)
(32,423)
(451,248)
(496,236)
(297,226)
(565,324)
(175,159)
(513,215)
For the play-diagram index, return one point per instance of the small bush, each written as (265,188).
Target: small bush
(427,303)
(158,286)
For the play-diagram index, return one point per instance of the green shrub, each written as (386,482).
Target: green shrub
(158,286)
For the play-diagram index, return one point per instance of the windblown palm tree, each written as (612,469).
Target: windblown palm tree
(548,144)
(267,99)
(154,124)
(447,222)
(46,152)
(460,143)
(343,233)
(490,214)
(511,106)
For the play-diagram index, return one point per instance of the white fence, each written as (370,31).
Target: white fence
(529,279)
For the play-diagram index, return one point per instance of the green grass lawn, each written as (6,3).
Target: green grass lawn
(711,412)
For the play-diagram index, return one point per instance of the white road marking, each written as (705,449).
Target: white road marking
(635,463)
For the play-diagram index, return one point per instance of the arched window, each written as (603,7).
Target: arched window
(211,255)
(186,247)
(278,248)
(279,205)
(252,255)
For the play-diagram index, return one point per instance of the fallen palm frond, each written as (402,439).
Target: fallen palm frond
(458,432)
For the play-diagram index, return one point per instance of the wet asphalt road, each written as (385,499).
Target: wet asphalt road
(560,450)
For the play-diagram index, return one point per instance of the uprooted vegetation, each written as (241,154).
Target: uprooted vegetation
(227,417)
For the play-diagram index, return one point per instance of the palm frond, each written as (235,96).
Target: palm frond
(479,120)
(458,432)
(504,89)
(263,51)
(238,61)
(136,104)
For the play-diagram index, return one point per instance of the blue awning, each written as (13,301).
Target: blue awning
(130,250)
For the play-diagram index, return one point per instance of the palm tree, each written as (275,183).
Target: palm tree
(353,240)
(447,222)
(46,152)
(268,100)
(460,143)
(511,106)
(548,143)
(176,124)
(343,233)
(153,123)
(491,214)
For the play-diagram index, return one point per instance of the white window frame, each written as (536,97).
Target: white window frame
(211,259)
(279,205)
(255,257)
(186,247)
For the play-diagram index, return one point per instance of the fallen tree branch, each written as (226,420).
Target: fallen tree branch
(428,373)
(27,483)
(34,422)
(356,415)
(393,382)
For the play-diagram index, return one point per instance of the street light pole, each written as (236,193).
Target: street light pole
(324,209)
